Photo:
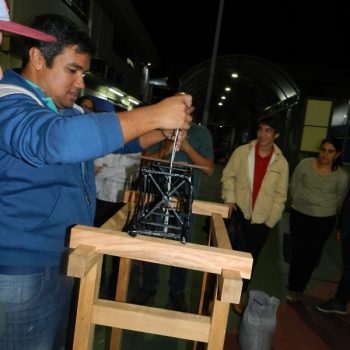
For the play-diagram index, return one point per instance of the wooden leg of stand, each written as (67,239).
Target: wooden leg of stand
(88,292)
(121,295)
(219,319)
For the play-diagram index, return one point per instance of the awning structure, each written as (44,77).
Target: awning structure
(261,85)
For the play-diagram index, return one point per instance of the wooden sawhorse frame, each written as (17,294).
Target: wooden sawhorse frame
(85,262)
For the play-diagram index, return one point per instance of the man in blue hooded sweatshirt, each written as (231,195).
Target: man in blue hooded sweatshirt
(47,147)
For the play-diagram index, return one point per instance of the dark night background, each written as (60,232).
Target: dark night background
(307,40)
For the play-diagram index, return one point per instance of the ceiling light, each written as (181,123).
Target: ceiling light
(234,75)
(220,103)
(133,101)
(116,92)
(227,89)
(223,97)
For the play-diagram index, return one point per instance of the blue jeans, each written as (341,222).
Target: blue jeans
(34,310)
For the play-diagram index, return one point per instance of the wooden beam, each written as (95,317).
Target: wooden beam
(198,207)
(151,320)
(219,233)
(209,208)
(81,260)
(162,251)
(120,218)
(218,324)
(230,285)
(88,291)
(120,295)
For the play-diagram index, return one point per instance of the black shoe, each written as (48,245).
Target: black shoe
(178,302)
(143,296)
(332,306)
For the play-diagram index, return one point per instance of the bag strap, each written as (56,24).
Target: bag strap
(8,89)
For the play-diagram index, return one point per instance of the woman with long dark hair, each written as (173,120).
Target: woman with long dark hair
(317,189)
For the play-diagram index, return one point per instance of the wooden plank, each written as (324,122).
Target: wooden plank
(218,324)
(162,251)
(198,207)
(121,295)
(120,218)
(123,279)
(230,285)
(88,291)
(209,208)
(219,233)
(151,320)
(81,260)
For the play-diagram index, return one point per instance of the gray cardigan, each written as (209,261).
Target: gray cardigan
(317,195)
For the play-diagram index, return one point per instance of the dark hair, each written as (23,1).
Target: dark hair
(85,97)
(67,34)
(337,144)
(272,120)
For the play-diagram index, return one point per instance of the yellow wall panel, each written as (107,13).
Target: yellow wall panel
(312,137)
(318,112)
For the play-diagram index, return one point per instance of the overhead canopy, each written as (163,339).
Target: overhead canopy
(261,85)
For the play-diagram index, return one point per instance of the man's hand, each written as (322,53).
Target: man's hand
(170,135)
(171,113)
(175,112)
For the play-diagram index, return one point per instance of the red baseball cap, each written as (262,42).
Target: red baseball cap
(12,27)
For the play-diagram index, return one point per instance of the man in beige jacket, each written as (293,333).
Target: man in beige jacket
(254,184)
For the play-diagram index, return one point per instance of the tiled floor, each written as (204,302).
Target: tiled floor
(270,276)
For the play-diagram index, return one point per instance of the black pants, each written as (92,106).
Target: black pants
(309,234)
(251,239)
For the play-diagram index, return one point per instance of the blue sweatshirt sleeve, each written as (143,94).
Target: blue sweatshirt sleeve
(131,147)
(41,136)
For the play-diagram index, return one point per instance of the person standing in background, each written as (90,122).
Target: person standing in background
(87,103)
(254,184)
(317,188)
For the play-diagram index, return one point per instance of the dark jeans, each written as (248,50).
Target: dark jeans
(309,234)
(177,280)
(252,240)
(343,291)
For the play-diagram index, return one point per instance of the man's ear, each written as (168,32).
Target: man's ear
(277,135)
(36,58)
